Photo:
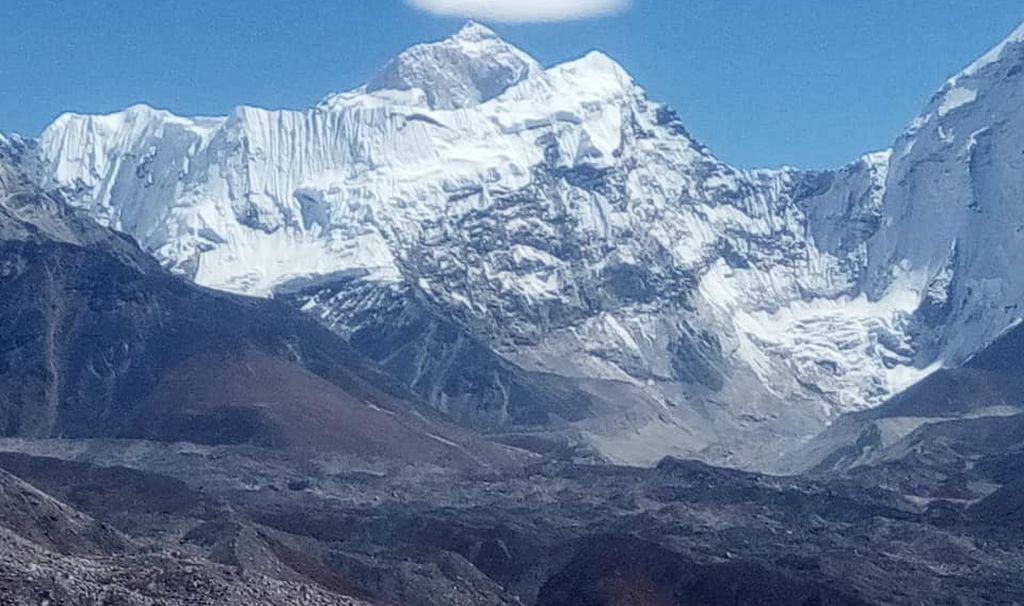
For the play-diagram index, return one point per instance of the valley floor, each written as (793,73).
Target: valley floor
(131,522)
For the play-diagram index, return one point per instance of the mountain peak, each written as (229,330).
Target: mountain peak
(597,61)
(468,68)
(475,32)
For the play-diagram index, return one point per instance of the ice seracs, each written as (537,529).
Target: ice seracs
(563,219)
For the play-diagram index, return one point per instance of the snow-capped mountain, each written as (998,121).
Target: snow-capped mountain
(529,246)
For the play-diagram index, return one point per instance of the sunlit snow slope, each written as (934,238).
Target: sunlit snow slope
(560,218)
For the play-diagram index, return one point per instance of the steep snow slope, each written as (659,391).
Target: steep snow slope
(954,209)
(564,220)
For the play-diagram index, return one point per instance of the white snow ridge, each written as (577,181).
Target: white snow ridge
(575,227)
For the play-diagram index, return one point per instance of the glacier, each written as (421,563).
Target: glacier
(569,230)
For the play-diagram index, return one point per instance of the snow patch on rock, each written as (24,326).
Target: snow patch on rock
(956,97)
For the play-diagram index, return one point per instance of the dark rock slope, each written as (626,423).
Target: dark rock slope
(96,340)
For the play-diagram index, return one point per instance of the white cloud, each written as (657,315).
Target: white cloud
(521,11)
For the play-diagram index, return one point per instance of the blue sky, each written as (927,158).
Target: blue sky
(762,82)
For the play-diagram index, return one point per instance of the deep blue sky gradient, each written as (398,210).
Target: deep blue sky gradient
(810,83)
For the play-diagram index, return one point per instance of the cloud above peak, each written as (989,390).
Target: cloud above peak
(522,11)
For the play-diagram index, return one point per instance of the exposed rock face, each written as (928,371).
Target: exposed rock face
(411,336)
(560,219)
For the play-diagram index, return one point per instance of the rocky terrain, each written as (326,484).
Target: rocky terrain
(51,553)
(553,533)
